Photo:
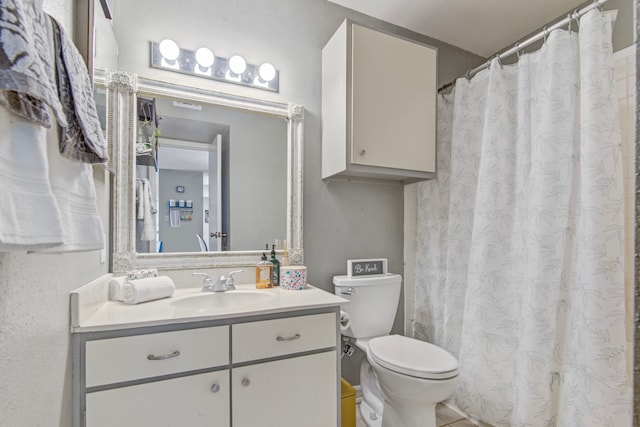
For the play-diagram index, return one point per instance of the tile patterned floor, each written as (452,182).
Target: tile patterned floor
(445,416)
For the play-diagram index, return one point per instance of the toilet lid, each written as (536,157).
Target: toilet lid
(412,357)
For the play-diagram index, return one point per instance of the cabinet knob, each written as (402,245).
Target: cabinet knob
(363,152)
(245,382)
(215,388)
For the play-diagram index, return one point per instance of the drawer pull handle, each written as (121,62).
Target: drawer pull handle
(164,356)
(293,338)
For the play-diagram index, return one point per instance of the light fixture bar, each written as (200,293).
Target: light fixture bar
(186,63)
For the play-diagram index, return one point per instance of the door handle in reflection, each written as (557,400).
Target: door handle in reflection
(218,234)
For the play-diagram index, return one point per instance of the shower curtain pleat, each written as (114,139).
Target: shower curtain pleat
(519,266)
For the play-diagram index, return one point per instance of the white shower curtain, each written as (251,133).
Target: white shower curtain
(519,268)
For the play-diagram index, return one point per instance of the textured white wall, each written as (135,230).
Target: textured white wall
(35,360)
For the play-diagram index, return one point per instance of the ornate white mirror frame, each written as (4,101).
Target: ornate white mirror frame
(122,88)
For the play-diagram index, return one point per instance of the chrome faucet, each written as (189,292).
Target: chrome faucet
(223,283)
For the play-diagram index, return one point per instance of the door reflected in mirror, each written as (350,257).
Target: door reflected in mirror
(208,178)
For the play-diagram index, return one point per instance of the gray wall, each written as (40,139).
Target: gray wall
(183,238)
(623,31)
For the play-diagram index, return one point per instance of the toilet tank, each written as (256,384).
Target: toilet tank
(373,303)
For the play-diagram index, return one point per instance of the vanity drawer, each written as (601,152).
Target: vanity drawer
(143,356)
(271,338)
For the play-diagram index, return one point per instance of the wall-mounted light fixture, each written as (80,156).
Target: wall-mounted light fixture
(168,55)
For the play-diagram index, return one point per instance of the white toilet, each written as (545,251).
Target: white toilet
(402,378)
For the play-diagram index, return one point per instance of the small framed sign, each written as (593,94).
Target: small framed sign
(366,267)
(180,189)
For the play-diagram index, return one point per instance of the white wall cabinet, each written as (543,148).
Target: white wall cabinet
(378,106)
(282,370)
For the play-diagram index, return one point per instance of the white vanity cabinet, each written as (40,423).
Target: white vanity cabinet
(271,370)
(378,106)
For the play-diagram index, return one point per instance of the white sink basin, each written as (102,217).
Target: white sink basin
(212,301)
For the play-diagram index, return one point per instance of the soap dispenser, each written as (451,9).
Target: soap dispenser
(275,273)
(263,273)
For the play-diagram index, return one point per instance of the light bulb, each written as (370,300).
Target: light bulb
(169,49)
(205,57)
(267,72)
(237,64)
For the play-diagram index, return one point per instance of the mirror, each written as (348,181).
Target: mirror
(222,120)
(216,177)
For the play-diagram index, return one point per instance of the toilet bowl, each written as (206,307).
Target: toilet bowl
(413,376)
(372,403)
(402,379)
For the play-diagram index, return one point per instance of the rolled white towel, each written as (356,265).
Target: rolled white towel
(142,274)
(115,288)
(149,289)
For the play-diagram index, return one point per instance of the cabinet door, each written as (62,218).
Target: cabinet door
(393,111)
(195,401)
(301,391)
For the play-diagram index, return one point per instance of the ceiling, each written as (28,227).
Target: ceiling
(483,27)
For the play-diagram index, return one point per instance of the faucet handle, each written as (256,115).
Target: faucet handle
(230,282)
(207,283)
(206,276)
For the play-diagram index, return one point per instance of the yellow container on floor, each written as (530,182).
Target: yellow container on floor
(348,405)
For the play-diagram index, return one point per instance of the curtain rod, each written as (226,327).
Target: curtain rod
(575,15)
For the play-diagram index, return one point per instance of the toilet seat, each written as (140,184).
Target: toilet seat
(412,357)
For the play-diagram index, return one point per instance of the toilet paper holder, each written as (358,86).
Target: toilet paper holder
(345,321)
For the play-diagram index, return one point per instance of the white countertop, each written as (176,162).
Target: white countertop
(91,311)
